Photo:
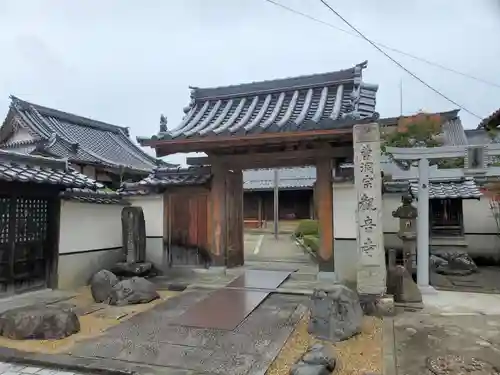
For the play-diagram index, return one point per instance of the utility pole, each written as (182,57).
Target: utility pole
(276,202)
(401,97)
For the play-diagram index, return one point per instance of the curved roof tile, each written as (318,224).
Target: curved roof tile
(319,101)
(81,139)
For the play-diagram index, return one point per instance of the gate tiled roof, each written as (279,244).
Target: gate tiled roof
(100,196)
(462,188)
(16,167)
(163,177)
(311,102)
(79,139)
(465,189)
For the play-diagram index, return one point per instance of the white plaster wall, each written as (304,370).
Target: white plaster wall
(90,239)
(344,229)
(88,226)
(481,229)
(344,207)
(478,217)
(152,206)
(89,170)
(21,135)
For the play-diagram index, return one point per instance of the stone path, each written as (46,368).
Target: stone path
(456,333)
(153,339)
(13,369)
(433,344)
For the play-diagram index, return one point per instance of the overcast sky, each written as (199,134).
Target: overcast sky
(125,62)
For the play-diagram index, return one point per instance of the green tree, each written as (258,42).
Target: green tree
(421,130)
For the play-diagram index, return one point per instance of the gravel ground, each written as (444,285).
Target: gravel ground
(356,356)
(91,325)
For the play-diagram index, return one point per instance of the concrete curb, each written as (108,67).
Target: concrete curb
(306,249)
(274,350)
(64,362)
(388,347)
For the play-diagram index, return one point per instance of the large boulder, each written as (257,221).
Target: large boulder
(125,269)
(38,322)
(402,287)
(336,313)
(133,291)
(101,285)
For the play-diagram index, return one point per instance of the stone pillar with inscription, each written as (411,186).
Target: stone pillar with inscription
(371,272)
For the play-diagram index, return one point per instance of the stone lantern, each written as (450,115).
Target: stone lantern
(407,215)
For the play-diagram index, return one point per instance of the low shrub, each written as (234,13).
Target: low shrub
(311,241)
(306,228)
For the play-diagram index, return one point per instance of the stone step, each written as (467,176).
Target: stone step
(304,276)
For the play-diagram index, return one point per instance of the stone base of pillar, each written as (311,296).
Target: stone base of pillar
(427,289)
(326,265)
(326,276)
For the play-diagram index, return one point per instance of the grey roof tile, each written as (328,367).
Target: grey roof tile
(465,189)
(289,178)
(492,121)
(79,139)
(100,196)
(320,101)
(16,167)
(164,177)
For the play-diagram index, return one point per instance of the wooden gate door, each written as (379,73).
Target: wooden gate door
(188,242)
(24,243)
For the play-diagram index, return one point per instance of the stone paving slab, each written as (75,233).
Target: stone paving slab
(152,339)
(14,369)
(420,337)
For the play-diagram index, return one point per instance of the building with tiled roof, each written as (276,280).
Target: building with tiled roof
(323,101)
(30,169)
(102,151)
(490,122)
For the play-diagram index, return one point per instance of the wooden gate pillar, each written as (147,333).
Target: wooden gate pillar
(324,203)
(234,219)
(219,217)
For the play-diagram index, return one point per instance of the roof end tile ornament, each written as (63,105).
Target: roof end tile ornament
(163,125)
(192,96)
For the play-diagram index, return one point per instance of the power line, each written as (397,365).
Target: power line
(415,57)
(397,62)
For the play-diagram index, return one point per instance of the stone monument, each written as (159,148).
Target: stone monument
(134,234)
(371,272)
(134,244)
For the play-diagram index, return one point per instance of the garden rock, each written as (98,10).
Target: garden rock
(133,291)
(336,313)
(38,322)
(302,368)
(402,286)
(132,269)
(437,261)
(457,263)
(101,285)
(320,355)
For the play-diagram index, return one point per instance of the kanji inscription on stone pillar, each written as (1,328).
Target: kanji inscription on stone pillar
(371,275)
